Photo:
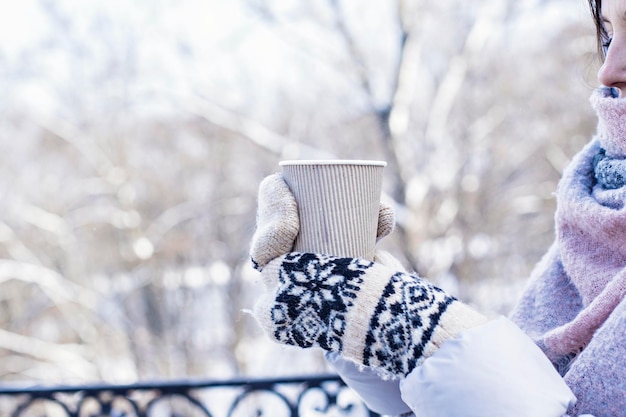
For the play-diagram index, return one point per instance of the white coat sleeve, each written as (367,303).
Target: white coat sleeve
(379,395)
(494,370)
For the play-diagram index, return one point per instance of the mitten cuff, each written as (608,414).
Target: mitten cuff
(457,318)
(398,322)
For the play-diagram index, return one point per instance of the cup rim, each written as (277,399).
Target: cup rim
(332,162)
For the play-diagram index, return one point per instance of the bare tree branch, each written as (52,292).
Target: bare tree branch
(72,358)
(260,135)
(56,287)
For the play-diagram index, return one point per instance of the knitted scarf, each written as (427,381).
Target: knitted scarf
(591,226)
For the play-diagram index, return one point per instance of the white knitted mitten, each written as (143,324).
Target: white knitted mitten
(278,223)
(369,313)
(386,221)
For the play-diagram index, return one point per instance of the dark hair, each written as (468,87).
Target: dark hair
(596,13)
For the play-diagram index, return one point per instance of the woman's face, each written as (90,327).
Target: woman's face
(613,70)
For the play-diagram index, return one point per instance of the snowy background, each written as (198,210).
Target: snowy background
(133,136)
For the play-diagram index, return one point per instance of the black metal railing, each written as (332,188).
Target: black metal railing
(317,396)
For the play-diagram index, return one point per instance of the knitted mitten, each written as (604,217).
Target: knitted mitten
(369,313)
(278,222)
(386,221)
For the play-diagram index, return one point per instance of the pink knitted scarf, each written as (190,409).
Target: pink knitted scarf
(591,230)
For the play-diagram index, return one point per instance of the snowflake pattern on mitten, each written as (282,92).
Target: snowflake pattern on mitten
(313,297)
(319,297)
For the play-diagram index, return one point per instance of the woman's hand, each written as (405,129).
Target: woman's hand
(369,313)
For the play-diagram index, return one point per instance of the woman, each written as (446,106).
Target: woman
(407,346)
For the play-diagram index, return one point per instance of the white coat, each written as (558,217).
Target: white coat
(494,370)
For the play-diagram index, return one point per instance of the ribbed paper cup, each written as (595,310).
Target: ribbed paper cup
(338,203)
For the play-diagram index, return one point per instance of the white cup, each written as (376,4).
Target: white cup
(338,204)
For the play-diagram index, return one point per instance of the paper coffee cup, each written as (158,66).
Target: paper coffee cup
(338,204)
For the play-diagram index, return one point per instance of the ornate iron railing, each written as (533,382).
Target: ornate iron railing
(316,396)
